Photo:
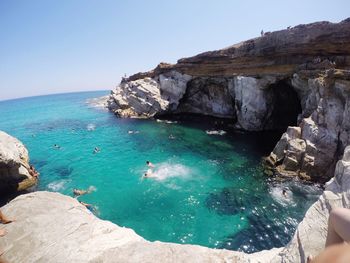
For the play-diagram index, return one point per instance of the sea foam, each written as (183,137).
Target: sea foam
(165,171)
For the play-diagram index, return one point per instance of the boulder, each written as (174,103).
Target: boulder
(144,98)
(14,165)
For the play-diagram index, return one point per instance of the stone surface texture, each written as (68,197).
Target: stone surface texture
(311,150)
(14,165)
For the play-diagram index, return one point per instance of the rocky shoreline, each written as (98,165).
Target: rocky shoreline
(297,78)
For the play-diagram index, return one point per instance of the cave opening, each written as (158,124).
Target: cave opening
(286,105)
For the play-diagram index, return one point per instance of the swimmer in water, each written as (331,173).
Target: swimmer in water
(79,192)
(284,192)
(148,174)
(57,146)
(96,150)
(149,164)
(88,206)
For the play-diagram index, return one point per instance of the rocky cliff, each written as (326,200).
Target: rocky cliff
(14,165)
(295,77)
(51,227)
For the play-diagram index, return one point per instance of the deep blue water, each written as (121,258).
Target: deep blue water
(209,189)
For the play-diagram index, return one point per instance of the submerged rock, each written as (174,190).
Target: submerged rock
(14,165)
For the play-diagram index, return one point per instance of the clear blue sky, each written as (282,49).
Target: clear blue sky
(75,45)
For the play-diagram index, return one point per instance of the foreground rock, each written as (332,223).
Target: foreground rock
(14,165)
(51,227)
(294,77)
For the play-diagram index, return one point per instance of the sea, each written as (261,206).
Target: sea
(207,185)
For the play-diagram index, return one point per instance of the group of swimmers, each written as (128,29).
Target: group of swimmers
(149,172)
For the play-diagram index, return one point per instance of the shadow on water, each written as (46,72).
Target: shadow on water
(271,219)
(230,201)
(63,171)
(261,143)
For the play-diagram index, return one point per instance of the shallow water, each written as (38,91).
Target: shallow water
(207,189)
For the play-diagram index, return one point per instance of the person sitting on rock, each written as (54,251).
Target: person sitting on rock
(338,237)
(33,172)
(4,220)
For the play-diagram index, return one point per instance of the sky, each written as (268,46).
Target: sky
(60,46)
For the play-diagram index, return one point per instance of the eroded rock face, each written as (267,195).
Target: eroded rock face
(208,96)
(315,46)
(252,102)
(323,131)
(14,165)
(144,98)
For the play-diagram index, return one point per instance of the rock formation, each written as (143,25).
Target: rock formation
(14,165)
(51,227)
(297,77)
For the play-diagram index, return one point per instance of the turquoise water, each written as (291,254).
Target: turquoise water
(209,189)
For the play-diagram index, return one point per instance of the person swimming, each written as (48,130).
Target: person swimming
(90,207)
(79,192)
(56,146)
(149,164)
(284,192)
(149,174)
(96,150)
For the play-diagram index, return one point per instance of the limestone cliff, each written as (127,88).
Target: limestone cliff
(51,227)
(14,165)
(294,77)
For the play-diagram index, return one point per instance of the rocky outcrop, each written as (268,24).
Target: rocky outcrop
(315,46)
(14,165)
(51,227)
(310,236)
(295,77)
(146,97)
(311,150)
